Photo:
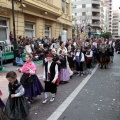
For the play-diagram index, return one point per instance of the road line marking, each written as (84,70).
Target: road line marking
(58,112)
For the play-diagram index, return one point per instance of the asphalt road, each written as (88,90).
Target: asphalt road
(100,97)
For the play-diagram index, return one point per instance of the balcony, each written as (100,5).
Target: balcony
(95,9)
(96,17)
(95,24)
(95,1)
(114,31)
(114,25)
(44,6)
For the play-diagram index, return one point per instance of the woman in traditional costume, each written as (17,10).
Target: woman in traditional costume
(64,73)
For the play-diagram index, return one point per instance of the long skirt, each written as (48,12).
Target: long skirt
(89,64)
(1,104)
(64,74)
(71,62)
(17,108)
(34,88)
(77,66)
(2,115)
(50,87)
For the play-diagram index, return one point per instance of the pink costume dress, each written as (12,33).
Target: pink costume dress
(30,81)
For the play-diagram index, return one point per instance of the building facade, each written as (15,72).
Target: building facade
(36,18)
(116,24)
(89,12)
(108,16)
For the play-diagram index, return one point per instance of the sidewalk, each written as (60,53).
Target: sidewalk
(10,67)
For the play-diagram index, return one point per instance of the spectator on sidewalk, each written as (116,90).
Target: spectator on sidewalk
(28,48)
(19,60)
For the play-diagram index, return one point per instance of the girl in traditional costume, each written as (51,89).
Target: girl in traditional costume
(29,79)
(79,58)
(56,60)
(89,55)
(17,106)
(50,77)
(70,56)
(64,73)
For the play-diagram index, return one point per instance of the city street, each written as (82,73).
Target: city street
(100,97)
(94,97)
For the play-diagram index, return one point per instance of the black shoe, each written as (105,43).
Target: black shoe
(30,100)
(101,67)
(71,76)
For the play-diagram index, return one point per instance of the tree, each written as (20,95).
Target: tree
(106,35)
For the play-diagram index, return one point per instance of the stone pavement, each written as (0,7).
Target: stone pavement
(9,67)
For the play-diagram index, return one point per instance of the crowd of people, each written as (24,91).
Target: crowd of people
(60,60)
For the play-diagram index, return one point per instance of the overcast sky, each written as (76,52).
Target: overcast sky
(116,4)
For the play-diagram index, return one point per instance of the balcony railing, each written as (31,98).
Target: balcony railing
(96,9)
(43,5)
(95,24)
(95,1)
(96,17)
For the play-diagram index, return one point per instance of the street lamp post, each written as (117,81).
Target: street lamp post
(14,32)
(89,32)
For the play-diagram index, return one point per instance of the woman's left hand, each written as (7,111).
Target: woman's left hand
(12,95)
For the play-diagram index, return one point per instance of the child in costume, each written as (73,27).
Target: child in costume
(29,79)
(17,106)
(50,77)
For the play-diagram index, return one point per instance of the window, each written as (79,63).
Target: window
(30,29)
(63,6)
(48,31)
(4,29)
(67,8)
(47,0)
(83,13)
(83,6)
